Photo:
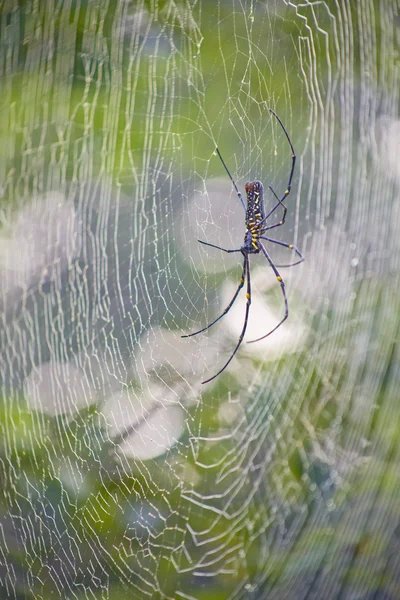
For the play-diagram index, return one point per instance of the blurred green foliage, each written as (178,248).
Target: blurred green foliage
(113,519)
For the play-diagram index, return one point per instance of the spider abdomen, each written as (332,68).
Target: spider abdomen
(255,216)
(255,212)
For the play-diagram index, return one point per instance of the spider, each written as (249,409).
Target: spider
(256,227)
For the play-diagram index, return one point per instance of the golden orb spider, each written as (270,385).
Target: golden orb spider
(256,227)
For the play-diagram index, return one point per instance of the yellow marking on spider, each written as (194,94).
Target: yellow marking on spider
(241,280)
(279,278)
(290,247)
(254,245)
(248,296)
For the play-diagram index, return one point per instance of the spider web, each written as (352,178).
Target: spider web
(123,476)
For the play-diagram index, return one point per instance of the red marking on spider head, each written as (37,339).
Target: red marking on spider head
(253,187)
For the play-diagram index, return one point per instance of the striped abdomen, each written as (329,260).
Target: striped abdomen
(255,212)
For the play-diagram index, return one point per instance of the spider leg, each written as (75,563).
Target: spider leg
(264,220)
(246,318)
(227,309)
(280,280)
(231,178)
(289,184)
(290,246)
(219,247)
(280,203)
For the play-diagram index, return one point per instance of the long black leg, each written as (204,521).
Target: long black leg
(282,221)
(263,229)
(280,280)
(241,283)
(219,247)
(288,187)
(280,203)
(289,184)
(231,178)
(285,245)
(246,318)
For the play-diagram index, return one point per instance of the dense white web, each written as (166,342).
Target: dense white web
(122,476)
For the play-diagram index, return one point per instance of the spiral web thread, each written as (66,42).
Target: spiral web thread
(121,474)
